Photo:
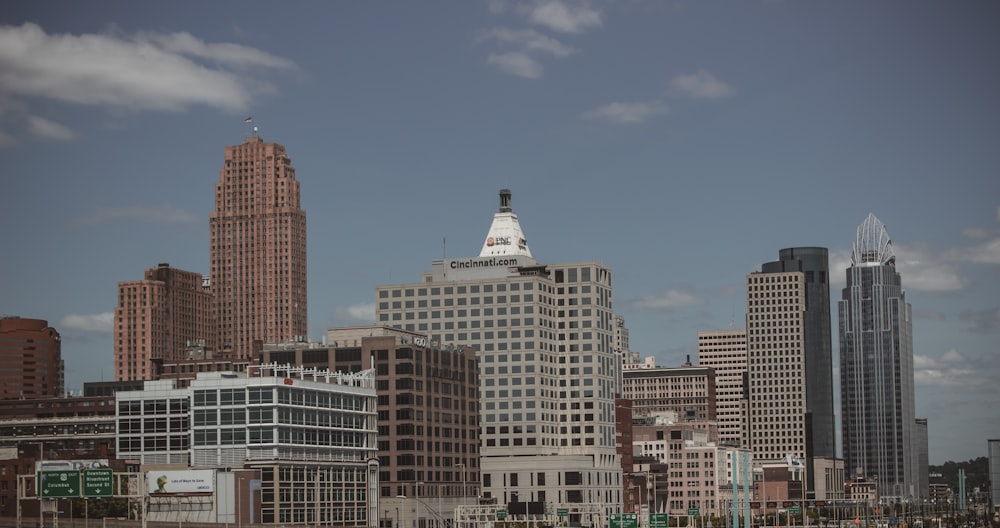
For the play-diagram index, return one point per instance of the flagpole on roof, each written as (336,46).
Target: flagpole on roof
(253,128)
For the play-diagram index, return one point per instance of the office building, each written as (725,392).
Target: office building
(31,364)
(157,318)
(789,361)
(548,368)
(876,368)
(725,352)
(309,434)
(428,407)
(688,391)
(257,250)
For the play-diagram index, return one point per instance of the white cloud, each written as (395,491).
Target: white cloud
(154,214)
(700,85)
(147,71)
(562,16)
(516,63)
(986,253)
(233,55)
(358,313)
(103,323)
(667,300)
(952,369)
(45,129)
(528,40)
(922,270)
(627,113)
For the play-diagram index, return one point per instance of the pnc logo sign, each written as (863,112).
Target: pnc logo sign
(497,241)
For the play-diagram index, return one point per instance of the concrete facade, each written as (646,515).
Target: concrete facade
(688,391)
(548,368)
(725,351)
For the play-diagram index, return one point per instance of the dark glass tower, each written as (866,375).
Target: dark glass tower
(876,368)
(814,263)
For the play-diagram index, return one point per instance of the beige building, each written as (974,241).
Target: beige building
(725,351)
(157,318)
(257,250)
(548,368)
(687,391)
(698,473)
(776,304)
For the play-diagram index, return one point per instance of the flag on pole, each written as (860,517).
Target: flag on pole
(248,120)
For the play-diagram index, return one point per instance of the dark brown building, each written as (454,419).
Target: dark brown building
(77,431)
(428,405)
(31,363)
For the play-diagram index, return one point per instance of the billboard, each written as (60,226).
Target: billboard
(70,465)
(180,482)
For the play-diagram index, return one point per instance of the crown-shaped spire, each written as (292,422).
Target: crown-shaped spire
(872,245)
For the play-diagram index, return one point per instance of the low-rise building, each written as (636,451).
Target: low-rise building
(301,440)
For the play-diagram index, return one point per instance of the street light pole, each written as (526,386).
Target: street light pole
(464,492)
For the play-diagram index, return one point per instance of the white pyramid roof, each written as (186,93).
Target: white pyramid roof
(505,237)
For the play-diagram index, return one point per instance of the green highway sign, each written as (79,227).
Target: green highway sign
(501,514)
(58,484)
(795,510)
(624,520)
(692,511)
(562,512)
(98,482)
(658,520)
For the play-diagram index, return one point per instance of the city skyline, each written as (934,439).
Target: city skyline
(679,144)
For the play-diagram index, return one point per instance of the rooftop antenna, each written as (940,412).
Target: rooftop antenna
(444,247)
(253,128)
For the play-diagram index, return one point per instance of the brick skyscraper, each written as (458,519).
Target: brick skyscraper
(156,318)
(258,249)
(31,363)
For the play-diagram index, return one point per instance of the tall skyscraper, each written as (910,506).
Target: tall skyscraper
(726,352)
(258,250)
(31,364)
(157,317)
(548,369)
(789,360)
(876,367)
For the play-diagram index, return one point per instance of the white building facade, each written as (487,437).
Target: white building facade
(310,434)
(549,373)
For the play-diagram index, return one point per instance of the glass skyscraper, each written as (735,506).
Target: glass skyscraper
(876,368)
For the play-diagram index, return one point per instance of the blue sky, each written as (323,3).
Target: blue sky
(681,143)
